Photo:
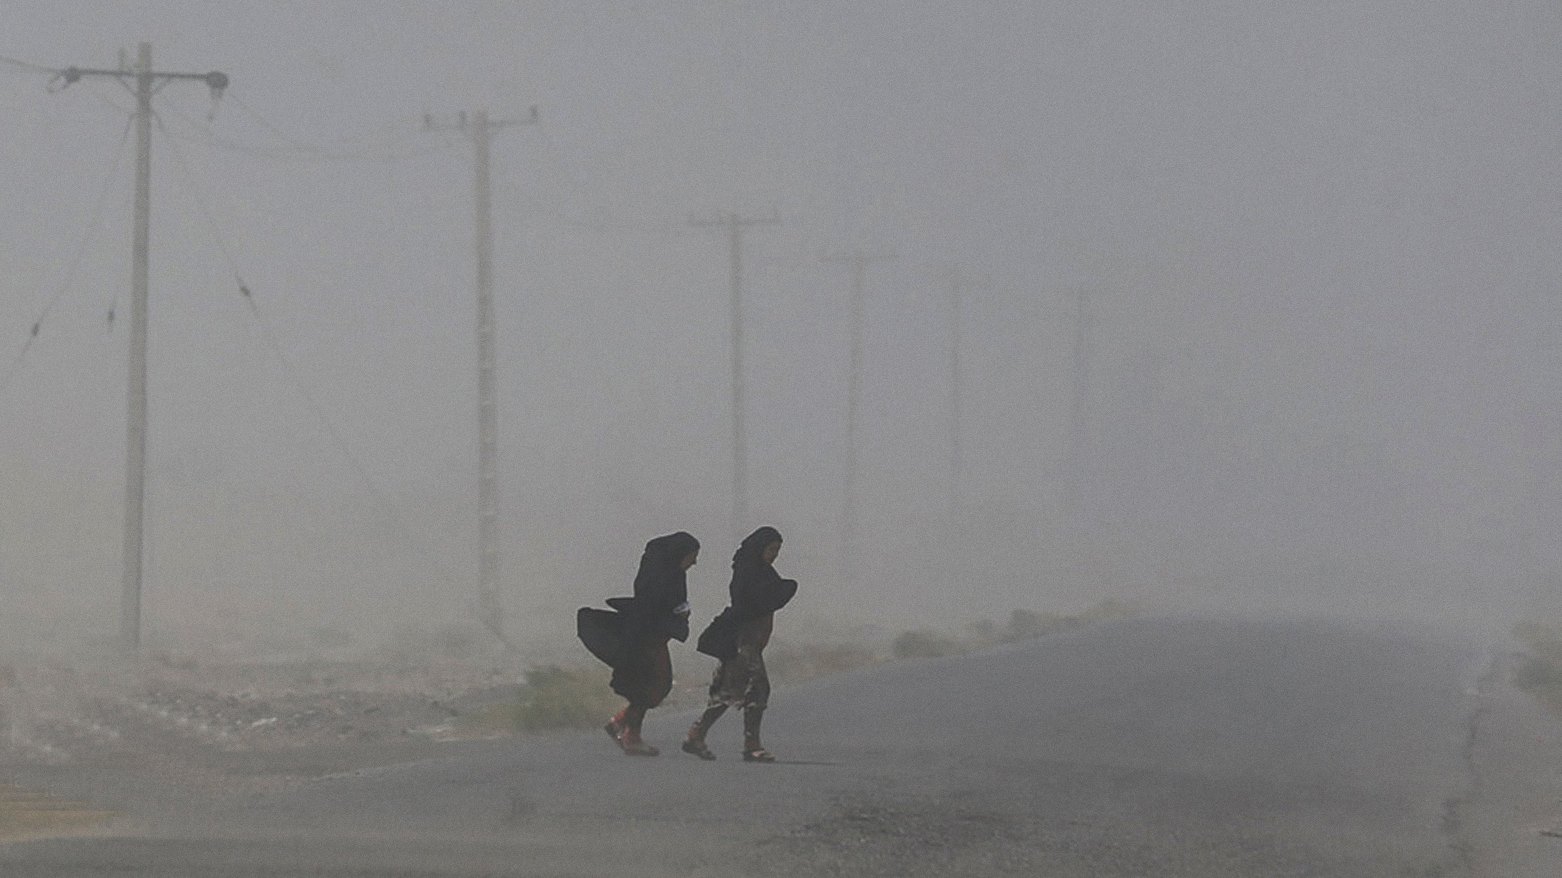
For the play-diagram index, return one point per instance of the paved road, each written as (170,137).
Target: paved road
(1175,747)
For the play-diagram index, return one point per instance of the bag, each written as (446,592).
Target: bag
(720,638)
(602,631)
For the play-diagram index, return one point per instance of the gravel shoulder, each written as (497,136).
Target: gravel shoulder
(1182,747)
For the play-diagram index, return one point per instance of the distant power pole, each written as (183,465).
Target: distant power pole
(857,261)
(481,129)
(958,284)
(735,224)
(143,82)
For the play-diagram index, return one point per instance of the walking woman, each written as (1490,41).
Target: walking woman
(738,637)
(632,638)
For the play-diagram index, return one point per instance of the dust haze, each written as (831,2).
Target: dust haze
(1260,310)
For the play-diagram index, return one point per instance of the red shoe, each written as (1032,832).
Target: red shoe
(633,745)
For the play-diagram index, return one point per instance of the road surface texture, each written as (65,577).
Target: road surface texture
(1156,747)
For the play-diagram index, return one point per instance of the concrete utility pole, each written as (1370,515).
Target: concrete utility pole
(143,82)
(858,261)
(735,225)
(958,284)
(481,129)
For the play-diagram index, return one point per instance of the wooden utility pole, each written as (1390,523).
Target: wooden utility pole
(734,226)
(481,129)
(144,82)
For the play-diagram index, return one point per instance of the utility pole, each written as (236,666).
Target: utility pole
(143,82)
(857,261)
(481,129)
(958,284)
(734,226)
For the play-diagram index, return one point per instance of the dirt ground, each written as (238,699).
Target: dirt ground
(111,735)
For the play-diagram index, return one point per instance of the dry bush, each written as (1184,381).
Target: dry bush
(926,643)
(563,698)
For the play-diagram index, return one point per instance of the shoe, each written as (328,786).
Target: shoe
(614,730)
(634,745)
(758,755)
(696,747)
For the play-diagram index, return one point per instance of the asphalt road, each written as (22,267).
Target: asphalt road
(1166,747)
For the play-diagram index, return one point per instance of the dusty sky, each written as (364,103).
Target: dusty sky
(1318,240)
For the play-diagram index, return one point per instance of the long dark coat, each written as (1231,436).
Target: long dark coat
(631,638)
(757,590)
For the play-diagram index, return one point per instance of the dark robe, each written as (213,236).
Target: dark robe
(757,591)
(631,638)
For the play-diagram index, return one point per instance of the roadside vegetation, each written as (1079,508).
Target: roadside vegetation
(27,814)
(555,697)
(1539,672)
(986,633)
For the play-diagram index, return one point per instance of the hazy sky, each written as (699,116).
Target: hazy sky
(1318,240)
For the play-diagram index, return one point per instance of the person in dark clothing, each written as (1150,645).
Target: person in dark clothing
(738,638)
(634,639)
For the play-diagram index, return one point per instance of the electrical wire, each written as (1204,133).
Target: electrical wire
(295,150)
(27,65)
(80,255)
(296,142)
(391,149)
(568,171)
(387,508)
(201,205)
(224,144)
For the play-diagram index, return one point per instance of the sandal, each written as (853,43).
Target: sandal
(759,755)
(634,745)
(698,748)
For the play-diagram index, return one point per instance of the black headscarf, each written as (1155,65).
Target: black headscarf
(752,549)
(661,585)
(666,553)
(618,636)
(757,590)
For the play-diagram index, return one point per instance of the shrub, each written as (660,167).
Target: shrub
(1025,624)
(1107,610)
(923,643)
(563,698)
(1535,672)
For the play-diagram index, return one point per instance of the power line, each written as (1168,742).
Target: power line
(567,171)
(387,508)
(70,271)
(223,144)
(392,149)
(293,149)
(27,65)
(200,202)
(302,145)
